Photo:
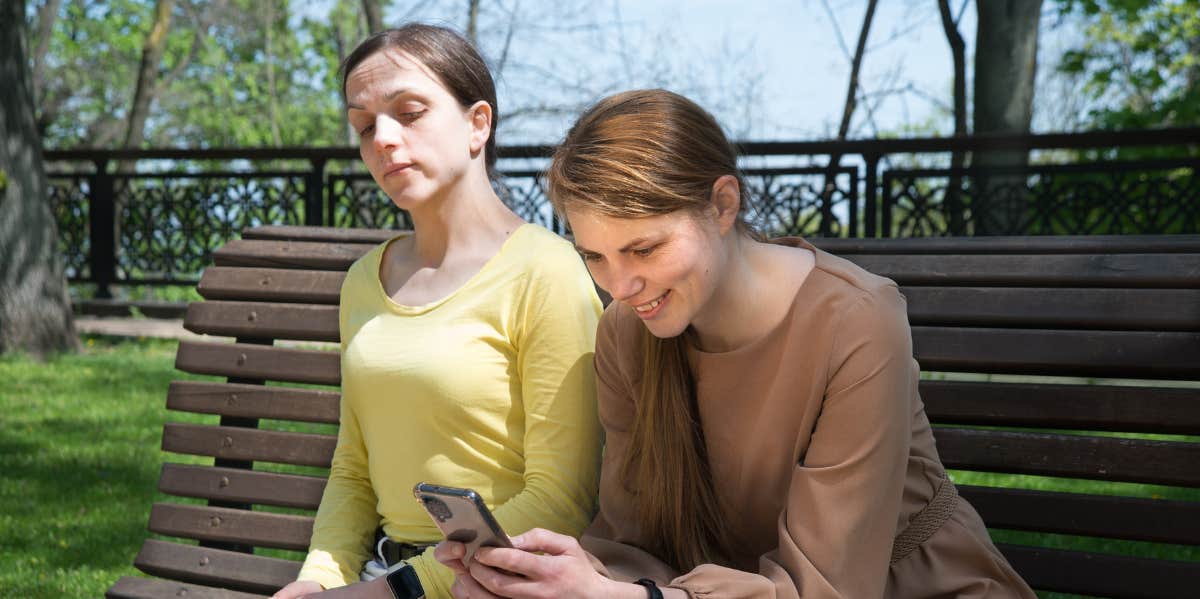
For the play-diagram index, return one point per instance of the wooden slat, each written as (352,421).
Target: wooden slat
(244,360)
(271,284)
(309,255)
(329,234)
(1103,575)
(1073,456)
(1133,518)
(263,319)
(237,443)
(215,567)
(1173,271)
(1017,244)
(225,525)
(1110,309)
(1083,407)
(131,587)
(254,401)
(241,486)
(1125,354)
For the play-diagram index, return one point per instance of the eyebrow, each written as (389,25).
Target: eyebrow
(627,247)
(392,95)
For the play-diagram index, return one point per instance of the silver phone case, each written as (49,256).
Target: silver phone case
(466,518)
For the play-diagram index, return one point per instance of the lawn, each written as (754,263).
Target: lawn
(79,445)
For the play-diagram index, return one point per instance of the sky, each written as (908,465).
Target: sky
(768,69)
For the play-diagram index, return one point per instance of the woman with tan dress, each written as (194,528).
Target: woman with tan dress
(764,435)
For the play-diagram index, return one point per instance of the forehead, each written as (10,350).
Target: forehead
(389,70)
(601,233)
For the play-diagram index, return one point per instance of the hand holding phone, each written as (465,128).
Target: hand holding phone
(462,516)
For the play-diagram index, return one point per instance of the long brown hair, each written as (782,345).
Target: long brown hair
(449,56)
(637,154)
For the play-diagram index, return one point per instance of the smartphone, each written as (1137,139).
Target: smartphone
(462,516)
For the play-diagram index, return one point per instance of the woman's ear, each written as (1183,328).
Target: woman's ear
(480,116)
(726,201)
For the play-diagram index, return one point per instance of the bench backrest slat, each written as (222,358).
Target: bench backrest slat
(1064,406)
(254,401)
(235,485)
(243,443)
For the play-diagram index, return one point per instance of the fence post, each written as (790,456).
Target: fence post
(102,225)
(314,192)
(871,201)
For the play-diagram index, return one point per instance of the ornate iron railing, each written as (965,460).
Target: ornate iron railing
(160,224)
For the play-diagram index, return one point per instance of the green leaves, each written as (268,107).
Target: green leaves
(1140,61)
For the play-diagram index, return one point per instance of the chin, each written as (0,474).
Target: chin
(665,330)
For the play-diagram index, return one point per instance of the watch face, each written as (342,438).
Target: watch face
(405,584)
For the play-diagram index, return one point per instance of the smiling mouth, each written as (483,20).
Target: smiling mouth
(650,305)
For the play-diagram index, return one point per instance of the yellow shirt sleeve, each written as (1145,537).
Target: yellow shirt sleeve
(346,520)
(562,435)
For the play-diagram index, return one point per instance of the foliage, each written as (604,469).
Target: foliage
(1141,60)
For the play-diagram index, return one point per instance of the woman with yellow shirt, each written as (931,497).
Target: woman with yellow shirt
(466,345)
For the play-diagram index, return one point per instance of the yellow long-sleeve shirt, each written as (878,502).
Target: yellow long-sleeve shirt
(491,387)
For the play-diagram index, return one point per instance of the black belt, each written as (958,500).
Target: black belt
(393,552)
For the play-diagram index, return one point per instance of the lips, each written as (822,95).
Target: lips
(651,308)
(396,169)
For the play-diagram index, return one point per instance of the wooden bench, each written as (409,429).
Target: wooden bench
(1104,311)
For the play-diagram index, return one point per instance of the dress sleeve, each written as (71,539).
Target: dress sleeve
(844,498)
(347,518)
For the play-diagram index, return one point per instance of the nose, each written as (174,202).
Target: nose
(622,283)
(388,132)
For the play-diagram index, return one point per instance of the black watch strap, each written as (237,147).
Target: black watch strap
(404,583)
(651,588)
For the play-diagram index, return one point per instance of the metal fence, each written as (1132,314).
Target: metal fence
(155,216)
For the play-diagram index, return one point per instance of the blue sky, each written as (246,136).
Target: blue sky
(768,69)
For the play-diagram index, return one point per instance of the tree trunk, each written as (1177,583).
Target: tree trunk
(835,160)
(1005,65)
(473,21)
(35,313)
(374,13)
(152,51)
(272,94)
(953,198)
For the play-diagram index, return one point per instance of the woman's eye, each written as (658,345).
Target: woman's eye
(644,252)
(366,130)
(590,257)
(411,116)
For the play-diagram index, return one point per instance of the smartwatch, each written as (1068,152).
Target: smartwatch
(651,588)
(404,583)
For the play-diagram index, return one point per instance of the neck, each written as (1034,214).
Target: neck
(732,316)
(467,216)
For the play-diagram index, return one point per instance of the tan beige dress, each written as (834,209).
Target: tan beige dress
(820,451)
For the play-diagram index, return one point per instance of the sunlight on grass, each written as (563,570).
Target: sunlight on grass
(79,445)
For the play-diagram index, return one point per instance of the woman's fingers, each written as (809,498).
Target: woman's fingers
(450,554)
(499,582)
(466,587)
(545,541)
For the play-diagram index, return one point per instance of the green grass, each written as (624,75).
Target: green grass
(79,447)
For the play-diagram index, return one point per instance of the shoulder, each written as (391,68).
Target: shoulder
(619,341)
(546,265)
(541,250)
(863,311)
(365,270)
